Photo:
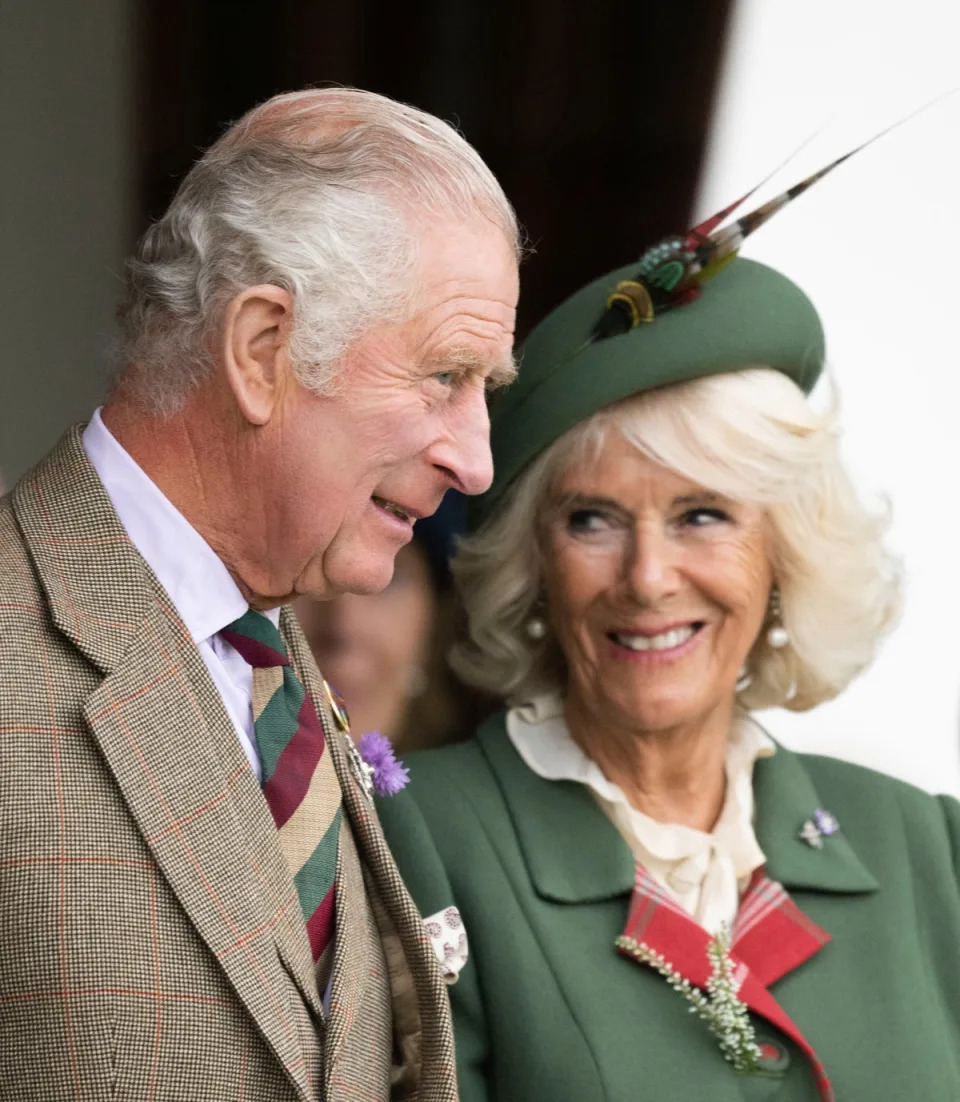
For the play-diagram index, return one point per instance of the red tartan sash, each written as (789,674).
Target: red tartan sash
(771,936)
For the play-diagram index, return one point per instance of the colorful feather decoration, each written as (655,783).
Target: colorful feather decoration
(672,272)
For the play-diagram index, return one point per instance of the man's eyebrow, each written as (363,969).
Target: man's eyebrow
(502,375)
(466,361)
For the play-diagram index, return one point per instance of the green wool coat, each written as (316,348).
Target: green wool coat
(545,1009)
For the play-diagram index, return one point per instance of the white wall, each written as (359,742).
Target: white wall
(66,168)
(877,246)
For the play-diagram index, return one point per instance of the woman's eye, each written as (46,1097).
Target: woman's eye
(587,520)
(700,518)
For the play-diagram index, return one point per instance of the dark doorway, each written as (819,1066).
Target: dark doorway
(592,115)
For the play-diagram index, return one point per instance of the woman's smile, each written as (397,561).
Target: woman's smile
(656,591)
(661,646)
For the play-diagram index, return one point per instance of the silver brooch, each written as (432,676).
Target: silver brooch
(362,772)
(361,769)
(819,826)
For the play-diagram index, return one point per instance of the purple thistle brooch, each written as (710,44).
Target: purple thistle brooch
(821,825)
(387,775)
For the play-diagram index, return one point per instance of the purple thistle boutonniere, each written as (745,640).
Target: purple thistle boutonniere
(388,774)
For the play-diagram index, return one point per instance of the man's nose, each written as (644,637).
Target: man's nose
(464,451)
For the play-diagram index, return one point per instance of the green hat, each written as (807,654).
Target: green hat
(747,316)
(689,307)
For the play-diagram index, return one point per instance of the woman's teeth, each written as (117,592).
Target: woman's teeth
(666,640)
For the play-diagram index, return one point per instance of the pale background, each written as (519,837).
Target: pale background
(877,247)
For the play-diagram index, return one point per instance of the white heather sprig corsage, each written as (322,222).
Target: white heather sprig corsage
(720,1007)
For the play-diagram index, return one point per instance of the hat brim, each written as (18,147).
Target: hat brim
(749,315)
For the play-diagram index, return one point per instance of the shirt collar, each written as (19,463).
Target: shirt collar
(187,567)
(538,730)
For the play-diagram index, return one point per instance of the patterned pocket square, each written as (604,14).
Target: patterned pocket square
(448,937)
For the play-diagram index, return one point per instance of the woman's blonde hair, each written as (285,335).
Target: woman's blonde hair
(752,436)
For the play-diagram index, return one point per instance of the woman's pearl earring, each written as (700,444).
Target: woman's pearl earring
(536,628)
(777,634)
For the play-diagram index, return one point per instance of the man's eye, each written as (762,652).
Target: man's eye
(444,378)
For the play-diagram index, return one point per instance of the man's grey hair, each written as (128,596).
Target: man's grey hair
(324,193)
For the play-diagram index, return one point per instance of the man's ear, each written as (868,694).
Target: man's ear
(255,349)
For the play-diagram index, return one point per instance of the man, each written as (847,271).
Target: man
(195,898)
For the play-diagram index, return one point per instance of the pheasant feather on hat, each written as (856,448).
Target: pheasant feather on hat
(623,333)
(672,272)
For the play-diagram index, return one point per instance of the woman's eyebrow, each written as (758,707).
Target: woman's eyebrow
(698,498)
(591,501)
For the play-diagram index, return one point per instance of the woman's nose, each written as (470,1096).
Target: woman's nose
(651,572)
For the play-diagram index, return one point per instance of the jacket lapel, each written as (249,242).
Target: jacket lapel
(785,798)
(164,733)
(574,854)
(350,966)
(664,928)
(772,935)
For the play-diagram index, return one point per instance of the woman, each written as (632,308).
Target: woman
(670,543)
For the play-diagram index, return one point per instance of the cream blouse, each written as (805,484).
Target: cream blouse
(704,873)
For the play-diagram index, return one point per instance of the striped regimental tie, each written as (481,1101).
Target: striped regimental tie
(299,782)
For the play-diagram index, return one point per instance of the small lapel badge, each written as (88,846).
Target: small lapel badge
(362,772)
(338,708)
(821,825)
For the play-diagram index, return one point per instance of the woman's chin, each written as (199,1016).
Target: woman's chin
(660,712)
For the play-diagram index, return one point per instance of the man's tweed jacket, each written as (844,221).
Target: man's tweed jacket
(151,940)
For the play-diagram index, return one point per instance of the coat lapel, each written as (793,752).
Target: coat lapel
(785,798)
(164,733)
(658,923)
(772,935)
(418,992)
(350,966)
(574,854)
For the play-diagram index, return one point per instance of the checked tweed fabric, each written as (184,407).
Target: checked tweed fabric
(153,945)
(299,781)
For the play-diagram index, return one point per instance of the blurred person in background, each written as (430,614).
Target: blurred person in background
(196,900)
(385,653)
(647,897)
